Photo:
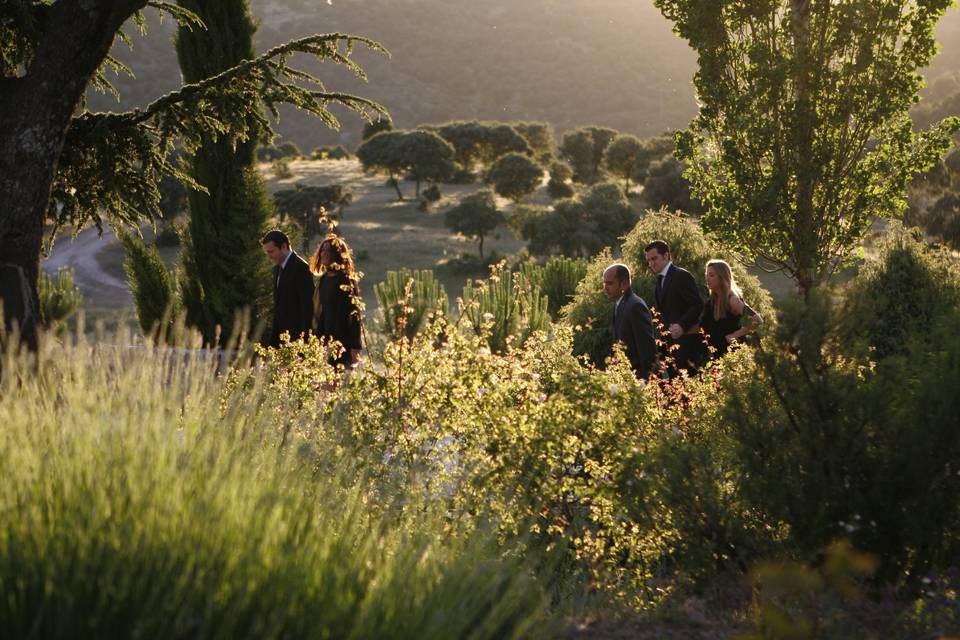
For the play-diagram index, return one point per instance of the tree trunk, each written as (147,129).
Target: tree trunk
(481,245)
(805,234)
(36,110)
(418,187)
(396,185)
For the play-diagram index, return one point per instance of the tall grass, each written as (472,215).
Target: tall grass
(141,496)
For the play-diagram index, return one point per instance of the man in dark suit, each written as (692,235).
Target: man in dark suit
(679,304)
(292,289)
(632,322)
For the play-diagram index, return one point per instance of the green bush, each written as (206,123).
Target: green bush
(408,299)
(281,169)
(838,440)
(145,496)
(59,298)
(690,248)
(156,298)
(505,309)
(557,278)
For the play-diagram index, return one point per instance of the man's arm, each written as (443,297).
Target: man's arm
(641,328)
(692,302)
(304,299)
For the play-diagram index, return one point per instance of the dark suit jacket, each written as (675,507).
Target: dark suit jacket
(633,326)
(292,300)
(680,302)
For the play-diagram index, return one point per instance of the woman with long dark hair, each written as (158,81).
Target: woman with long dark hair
(337,307)
(726,317)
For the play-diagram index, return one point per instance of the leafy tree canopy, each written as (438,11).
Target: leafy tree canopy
(803,137)
(515,176)
(475,217)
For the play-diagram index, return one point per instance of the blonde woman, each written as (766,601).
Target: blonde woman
(726,317)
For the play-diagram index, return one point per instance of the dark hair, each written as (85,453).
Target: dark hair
(621,270)
(343,260)
(661,247)
(277,237)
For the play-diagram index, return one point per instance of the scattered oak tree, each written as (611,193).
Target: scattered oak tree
(63,164)
(583,149)
(620,157)
(515,176)
(803,136)
(305,204)
(475,217)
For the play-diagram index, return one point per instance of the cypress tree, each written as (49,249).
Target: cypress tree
(224,271)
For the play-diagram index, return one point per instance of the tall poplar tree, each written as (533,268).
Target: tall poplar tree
(224,271)
(803,137)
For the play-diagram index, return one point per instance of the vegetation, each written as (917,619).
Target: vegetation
(60,299)
(557,278)
(156,295)
(78,165)
(515,176)
(584,150)
(223,258)
(577,227)
(475,217)
(407,301)
(305,204)
(833,93)
(422,154)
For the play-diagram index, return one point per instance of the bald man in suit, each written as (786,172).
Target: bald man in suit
(632,322)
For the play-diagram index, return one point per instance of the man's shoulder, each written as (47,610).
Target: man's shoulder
(633,300)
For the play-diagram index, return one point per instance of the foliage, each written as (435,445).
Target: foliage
(853,410)
(223,508)
(281,169)
(651,150)
(665,187)
(333,152)
(305,204)
(505,308)
(156,297)
(422,154)
(540,136)
(557,278)
(173,197)
(59,298)
(558,187)
(579,226)
(583,149)
(515,176)
(902,296)
(226,218)
(382,152)
(620,157)
(432,194)
(475,141)
(690,249)
(476,216)
(803,136)
(407,300)
(168,234)
(373,127)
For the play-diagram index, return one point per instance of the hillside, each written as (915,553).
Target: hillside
(608,62)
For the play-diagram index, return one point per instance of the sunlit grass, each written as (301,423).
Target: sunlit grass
(141,497)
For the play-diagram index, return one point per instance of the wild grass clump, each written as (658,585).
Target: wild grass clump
(145,497)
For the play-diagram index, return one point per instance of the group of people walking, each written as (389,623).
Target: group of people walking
(695,330)
(329,309)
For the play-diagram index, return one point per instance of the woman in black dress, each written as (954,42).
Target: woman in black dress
(726,318)
(337,307)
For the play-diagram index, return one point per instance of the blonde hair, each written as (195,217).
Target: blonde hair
(720,299)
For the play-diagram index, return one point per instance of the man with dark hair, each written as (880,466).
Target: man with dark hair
(632,322)
(679,304)
(292,289)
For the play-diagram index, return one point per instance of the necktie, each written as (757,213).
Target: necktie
(659,287)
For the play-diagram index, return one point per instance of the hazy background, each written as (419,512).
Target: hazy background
(569,62)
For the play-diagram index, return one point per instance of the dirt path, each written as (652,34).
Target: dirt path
(97,285)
